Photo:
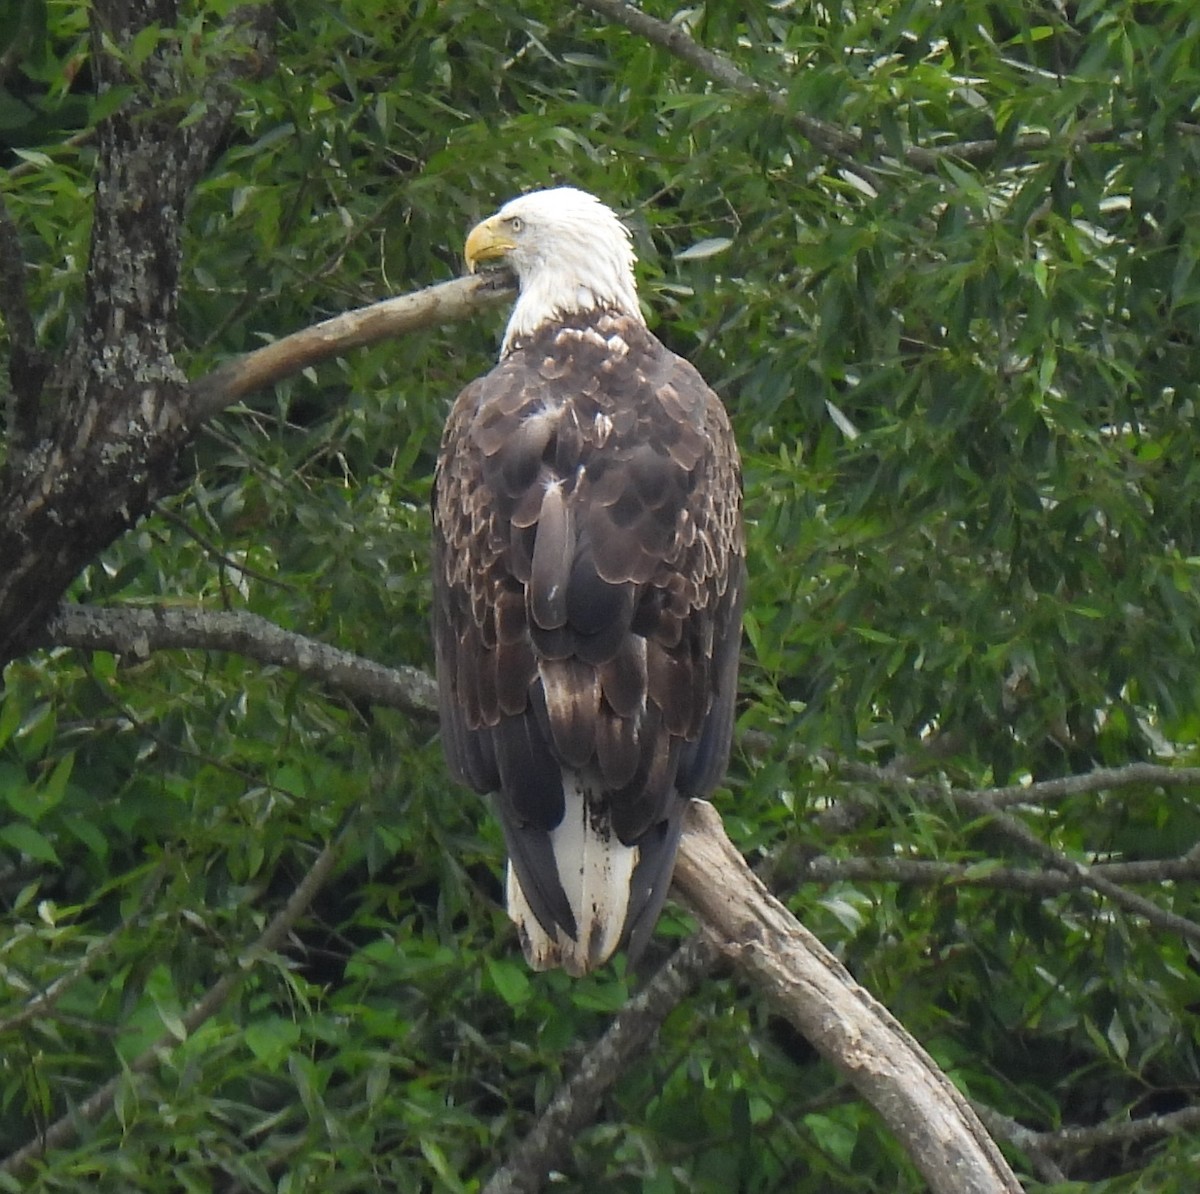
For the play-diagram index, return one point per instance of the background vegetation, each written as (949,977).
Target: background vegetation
(940,261)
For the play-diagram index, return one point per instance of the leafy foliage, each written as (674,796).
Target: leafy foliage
(965,385)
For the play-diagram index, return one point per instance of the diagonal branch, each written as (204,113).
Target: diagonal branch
(393,317)
(930,1118)
(1077,872)
(547,1147)
(836,142)
(845,147)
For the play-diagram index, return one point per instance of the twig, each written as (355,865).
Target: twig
(932,1120)
(216,553)
(839,144)
(1043,1147)
(44,1000)
(1082,875)
(101,1100)
(921,872)
(426,308)
(577,1101)
(1099,780)
(1024,1139)
(1037,792)
(133,631)
(1120,1131)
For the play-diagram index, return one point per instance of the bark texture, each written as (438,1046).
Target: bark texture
(928,1114)
(91,452)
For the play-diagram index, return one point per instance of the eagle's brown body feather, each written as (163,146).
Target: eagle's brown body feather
(588,579)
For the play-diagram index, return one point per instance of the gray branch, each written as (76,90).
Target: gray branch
(1080,874)
(442,303)
(930,1117)
(923,872)
(136,632)
(577,1101)
(836,142)
(845,147)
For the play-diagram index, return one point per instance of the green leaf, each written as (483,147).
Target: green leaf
(272,1040)
(510,980)
(23,837)
(10,716)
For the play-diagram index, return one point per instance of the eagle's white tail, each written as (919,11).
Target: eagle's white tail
(596,872)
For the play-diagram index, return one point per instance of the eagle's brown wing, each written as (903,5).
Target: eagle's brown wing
(588,580)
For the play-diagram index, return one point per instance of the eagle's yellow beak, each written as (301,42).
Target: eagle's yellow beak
(487,242)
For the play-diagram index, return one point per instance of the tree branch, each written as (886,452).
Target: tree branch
(840,1019)
(1043,1148)
(1081,875)
(1100,780)
(393,317)
(932,1120)
(1119,1131)
(922,872)
(137,632)
(846,148)
(577,1102)
(672,37)
(272,937)
(107,448)
(1004,1127)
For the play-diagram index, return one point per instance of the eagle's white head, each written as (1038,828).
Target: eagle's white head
(570,253)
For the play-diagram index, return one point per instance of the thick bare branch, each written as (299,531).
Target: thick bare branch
(137,631)
(840,1019)
(272,937)
(426,308)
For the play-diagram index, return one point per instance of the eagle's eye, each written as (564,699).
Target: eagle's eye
(515,223)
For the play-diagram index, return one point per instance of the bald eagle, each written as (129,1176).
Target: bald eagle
(588,580)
